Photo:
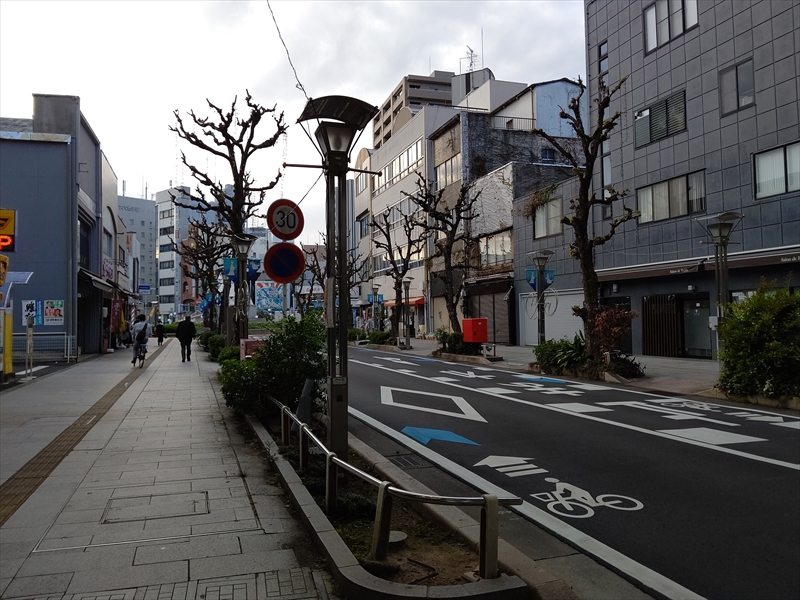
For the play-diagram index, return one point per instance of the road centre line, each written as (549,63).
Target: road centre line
(605,554)
(590,417)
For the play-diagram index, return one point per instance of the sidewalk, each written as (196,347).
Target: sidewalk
(667,375)
(146,489)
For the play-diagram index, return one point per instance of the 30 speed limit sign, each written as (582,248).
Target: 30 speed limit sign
(284,219)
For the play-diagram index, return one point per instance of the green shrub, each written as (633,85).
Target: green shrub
(761,350)
(202,339)
(455,344)
(170,328)
(382,338)
(353,335)
(239,379)
(228,353)
(215,344)
(556,356)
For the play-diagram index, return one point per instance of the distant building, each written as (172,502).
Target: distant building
(139,216)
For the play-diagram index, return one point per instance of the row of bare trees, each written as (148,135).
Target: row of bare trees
(433,228)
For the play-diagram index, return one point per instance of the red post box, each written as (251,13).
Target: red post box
(475,330)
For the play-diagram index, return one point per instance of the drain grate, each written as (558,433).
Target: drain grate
(409,461)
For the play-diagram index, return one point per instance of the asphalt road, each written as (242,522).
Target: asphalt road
(687,498)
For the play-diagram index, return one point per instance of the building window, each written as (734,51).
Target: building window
(361,182)
(142,223)
(548,155)
(547,220)
(167,281)
(496,249)
(165,248)
(737,88)
(165,231)
(85,245)
(663,119)
(164,214)
(667,19)
(778,171)
(672,198)
(363,225)
(602,52)
(166,264)
(166,299)
(108,243)
(448,172)
(403,164)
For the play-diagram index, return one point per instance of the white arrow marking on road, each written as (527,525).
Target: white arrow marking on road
(468,375)
(512,466)
(669,413)
(498,391)
(789,424)
(540,387)
(766,419)
(394,359)
(467,412)
(444,379)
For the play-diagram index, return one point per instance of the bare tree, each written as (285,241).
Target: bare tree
(450,228)
(582,248)
(203,250)
(316,268)
(399,254)
(234,141)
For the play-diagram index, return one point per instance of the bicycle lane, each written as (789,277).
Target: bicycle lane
(697,526)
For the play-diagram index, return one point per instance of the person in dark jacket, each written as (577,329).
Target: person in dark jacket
(185,334)
(160,332)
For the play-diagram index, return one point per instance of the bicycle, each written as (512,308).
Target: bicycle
(141,354)
(568,500)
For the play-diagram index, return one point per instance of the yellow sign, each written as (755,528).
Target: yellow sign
(7,221)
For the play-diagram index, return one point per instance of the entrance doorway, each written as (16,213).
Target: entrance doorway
(696,333)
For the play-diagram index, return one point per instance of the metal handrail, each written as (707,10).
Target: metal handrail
(488,542)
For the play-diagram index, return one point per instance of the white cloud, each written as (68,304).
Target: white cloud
(133,63)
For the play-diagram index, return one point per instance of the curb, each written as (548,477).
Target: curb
(355,581)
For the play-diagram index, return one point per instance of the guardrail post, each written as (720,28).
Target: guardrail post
(331,473)
(303,449)
(383,522)
(286,432)
(487,568)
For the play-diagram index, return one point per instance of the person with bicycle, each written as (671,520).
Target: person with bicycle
(140,331)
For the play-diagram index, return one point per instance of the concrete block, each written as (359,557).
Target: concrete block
(42,585)
(360,585)
(336,551)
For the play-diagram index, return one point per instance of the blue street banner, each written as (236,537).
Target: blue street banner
(230,266)
(371,296)
(549,278)
(253,268)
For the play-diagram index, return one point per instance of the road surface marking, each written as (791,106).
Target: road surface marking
(789,424)
(581,408)
(649,578)
(712,436)
(497,390)
(467,412)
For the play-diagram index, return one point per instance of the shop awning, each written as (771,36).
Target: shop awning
(415,301)
(677,267)
(99,283)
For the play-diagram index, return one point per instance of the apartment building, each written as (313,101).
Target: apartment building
(139,217)
(709,132)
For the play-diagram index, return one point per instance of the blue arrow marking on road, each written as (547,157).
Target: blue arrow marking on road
(426,435)
(544,379)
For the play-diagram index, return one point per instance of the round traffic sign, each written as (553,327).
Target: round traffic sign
(284,219)
(284,263)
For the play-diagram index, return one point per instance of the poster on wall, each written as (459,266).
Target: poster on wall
(269,295)
(53,312)
(32,308)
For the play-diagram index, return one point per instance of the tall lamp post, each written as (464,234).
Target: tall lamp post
(407,286)
(720,227)
(242,242)
(335,140)
(375,314)
(540,258)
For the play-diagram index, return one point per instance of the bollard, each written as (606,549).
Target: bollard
(383,522)
(487,568)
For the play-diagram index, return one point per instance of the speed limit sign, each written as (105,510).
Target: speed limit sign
(284,219)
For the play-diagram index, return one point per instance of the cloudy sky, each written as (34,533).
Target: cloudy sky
(134,63)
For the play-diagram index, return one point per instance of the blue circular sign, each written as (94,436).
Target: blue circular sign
(284,263)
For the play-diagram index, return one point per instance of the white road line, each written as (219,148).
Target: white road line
(554,407)
(33,370)
(591,546)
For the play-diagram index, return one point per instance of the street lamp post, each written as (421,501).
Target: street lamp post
(540,258)
(719,227)
(335,140)
(242,243)
(375,315)
(407,286)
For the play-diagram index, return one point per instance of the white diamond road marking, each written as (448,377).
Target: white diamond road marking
(581,408)
(789,424)
(467,412)
(711,436)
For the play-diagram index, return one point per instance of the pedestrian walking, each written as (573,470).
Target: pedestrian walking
(140,332)
(185,334)
(160,332)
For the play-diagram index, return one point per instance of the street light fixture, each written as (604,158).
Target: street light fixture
(242,242)
(335,140)
(720,227)
(540,258)
(407,285)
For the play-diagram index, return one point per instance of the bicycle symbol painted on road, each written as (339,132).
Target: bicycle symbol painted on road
(569,500)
